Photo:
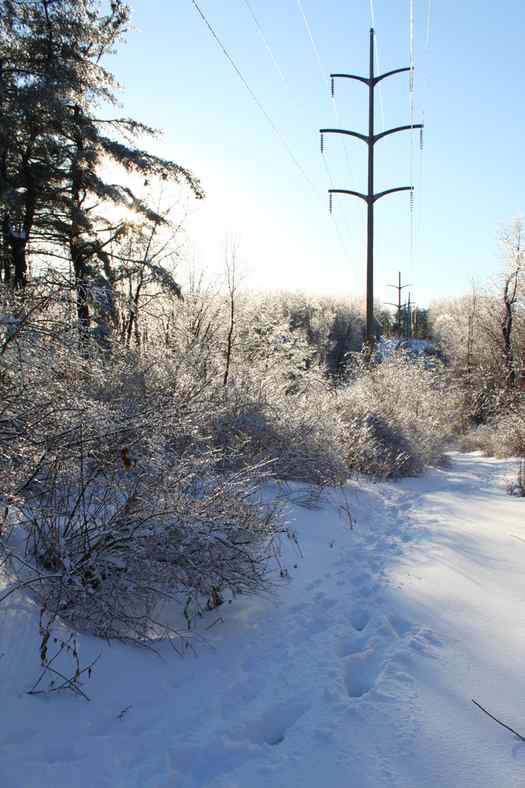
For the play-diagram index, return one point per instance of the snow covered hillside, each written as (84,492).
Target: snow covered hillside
(359,672)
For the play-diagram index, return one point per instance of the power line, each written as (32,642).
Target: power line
(268,117)
(322,72)
(376,49)
(381,102)
(312,40)
(261,107)
(425,78)
(412,53)
(372,14)
(412,107)
(329,175)
(265,41)
(416,219)
(428,25)
(319,62)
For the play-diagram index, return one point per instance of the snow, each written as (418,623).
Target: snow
(359,672)
(387,347)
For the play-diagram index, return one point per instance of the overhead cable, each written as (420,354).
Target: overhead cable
(265,41)
(322,72)
(261,107)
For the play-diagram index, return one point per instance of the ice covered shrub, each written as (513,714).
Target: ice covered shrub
(517,486)
(107,548)
(301,432)
(400,414)
(481,438)
(120,501)
(377,448)
(509,426)
(272,404)
(503,435)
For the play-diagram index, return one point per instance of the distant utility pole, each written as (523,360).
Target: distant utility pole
(370,198)
(413,321)
(399,306)
(408,323)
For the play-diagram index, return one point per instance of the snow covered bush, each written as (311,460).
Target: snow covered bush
(517,486)
(400,414)
(274,403)
(136,471)
(376,448)
(508,433)
(301,432)
(107,549)
(120,500)
(504,434)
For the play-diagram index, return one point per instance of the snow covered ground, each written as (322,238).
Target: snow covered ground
(359,672)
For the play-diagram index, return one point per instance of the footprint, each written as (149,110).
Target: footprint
(18,737)
(310,629)
(241,694)
(314,584)
(58,754)
(299,608)
(400,626)
(271,728)
(192,764)
(323,601)
(425,642)
(101,727)
(353,644)
(360,619)
(429,636)
(142,726)
(362,672)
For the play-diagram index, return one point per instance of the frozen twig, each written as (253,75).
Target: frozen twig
(520,737)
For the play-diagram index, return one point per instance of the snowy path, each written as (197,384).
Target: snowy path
(360,673)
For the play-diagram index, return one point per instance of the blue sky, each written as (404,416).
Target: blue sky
(468,179)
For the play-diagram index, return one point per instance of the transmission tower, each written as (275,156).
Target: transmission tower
(399,306)
(370,198)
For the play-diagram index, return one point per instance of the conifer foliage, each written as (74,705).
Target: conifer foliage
(56,130)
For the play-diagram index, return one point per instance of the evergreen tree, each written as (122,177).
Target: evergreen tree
(54,89)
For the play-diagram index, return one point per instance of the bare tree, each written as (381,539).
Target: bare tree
(232,283)
(511,239)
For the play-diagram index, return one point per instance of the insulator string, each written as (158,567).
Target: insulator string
(339,234)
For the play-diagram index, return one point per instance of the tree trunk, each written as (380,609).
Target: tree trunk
(506,330)
(78,257)
(18,243)
(6,251)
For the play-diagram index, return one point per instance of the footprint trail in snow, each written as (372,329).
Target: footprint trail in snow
(358,672)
